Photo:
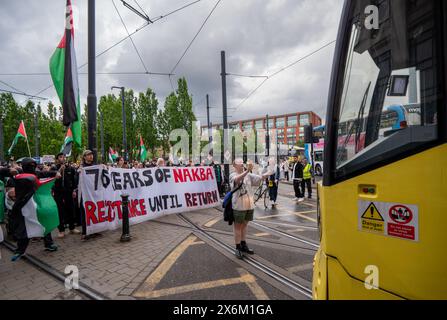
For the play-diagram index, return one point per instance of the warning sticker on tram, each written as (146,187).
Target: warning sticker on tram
(389,219)
(372,220)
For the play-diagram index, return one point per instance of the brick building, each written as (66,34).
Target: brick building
(290,126)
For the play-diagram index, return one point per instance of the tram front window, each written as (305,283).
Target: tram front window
(387,72)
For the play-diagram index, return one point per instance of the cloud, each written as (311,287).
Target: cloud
(259,37)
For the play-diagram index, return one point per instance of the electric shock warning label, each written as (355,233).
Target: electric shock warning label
(389,219)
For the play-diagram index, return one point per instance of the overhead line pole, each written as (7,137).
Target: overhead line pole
(91,98)
(225,120)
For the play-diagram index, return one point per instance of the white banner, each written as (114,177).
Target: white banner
(153,192)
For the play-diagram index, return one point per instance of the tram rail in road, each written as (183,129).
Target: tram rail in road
(83,289)
(292,284)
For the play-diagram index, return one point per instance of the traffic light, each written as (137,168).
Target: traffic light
(309,135)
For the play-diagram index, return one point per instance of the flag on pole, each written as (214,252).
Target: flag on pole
(21,133)
(64,72)
(40,211)
(143,151)
(113,155)
(68,143)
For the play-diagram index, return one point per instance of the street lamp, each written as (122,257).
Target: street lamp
(124,123)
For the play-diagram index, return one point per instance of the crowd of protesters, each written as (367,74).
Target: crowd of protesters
(71,214)
(19,188)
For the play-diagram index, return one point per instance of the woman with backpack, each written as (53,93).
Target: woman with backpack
(242,181)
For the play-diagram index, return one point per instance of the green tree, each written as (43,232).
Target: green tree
(52,131)
(146,111)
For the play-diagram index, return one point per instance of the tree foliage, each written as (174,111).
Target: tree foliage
(144,117)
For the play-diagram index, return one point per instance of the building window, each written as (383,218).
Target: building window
(259,124)
(247,125)
(270,123)
(280,123)
(304,120)
(292,121)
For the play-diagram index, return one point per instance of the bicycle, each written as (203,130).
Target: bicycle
(262,192)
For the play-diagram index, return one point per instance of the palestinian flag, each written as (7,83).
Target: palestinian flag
(21,133)
(143,151)
(68,143)
(2,202)
(113,155)
(39,209)
(64,72)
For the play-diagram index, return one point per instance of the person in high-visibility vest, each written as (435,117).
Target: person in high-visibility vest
(307,178)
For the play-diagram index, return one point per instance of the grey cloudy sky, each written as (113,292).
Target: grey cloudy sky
(259,37)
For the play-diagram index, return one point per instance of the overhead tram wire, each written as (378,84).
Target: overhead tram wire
(141,15)
(245,76)
(24,94)
(141,28)
(11,87)
(198,32)
(122,40)
(126,73)
(130,37)
(281,70)
(141,8)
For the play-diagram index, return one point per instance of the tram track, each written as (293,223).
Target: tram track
(285,234)
(83,289)
(260,266)
(230,234)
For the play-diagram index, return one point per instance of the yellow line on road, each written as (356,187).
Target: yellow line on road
(254,287)
(274,216)
(246,278)
(261,234)
(211,223)
(197,242)
(301,214)
(295,230)
(302,267)
(308,204)
(167,263)
(291,213)
(305,217)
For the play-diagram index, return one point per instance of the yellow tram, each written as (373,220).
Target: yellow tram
(382,205)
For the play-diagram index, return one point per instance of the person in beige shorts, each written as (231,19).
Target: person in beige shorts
(243,202)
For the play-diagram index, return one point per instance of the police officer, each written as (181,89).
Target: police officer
(63,195)
(307,178)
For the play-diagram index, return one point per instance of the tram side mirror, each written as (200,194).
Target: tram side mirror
(398,86)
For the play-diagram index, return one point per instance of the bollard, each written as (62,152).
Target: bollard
(125,237)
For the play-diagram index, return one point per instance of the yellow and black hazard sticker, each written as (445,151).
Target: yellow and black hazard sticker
(372,220)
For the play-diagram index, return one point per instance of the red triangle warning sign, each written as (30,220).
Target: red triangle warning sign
(371,213)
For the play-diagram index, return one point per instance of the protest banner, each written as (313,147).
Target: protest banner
(153,192)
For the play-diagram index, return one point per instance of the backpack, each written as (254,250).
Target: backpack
(227,204)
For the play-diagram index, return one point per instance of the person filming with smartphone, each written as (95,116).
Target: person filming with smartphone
(242,181)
